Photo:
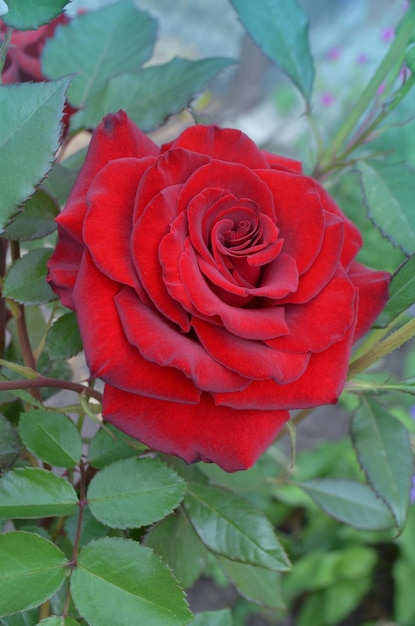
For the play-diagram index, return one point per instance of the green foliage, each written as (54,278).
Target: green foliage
(132,493)
(33,14)
(118,579)
(151,95)
(31,570)
(402,290)
(25,282)
(58,621)
(9,444)
(280,28)
(63,339)
(36,220)
(213,618)
(29,138)
(109,445)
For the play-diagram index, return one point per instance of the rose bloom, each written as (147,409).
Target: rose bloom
(215,288)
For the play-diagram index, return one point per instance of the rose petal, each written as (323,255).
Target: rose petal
(373,289)
(252,359)
(321,383)
(278,162)
(109,354)
(161,343)
(191,431)
(63,267)
(109,219)
(224,144)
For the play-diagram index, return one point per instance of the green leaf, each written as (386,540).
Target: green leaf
(55,620)
(402,293)
(91,528)
(53,437)
(26,618)
(32,492)
(150,96)
(213,618)
(9,444)
(132,493)
(388,191)
(36,220)
(31,570)
(350,502)
(97,45)
(231,527)
(178,545)
(63,339)
(25,282)
(384,453)
(117,580)
(109,445)
(31,116)
(31,14)
(254,583)
(280,29)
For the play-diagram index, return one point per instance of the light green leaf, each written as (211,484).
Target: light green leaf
(280,29)
(53,437)
(25,282)
(388,191)
(255,583)
(402,293)
(132,493)
(97,45)
(231,527)
(117,580)
(32,492)
(30,131)
(31,14)
(55,620)
(109,445)
(36,220)
(31,570)
(384,452)
(213,618)
(178,545)
(9,444)
(350,502)
(63,339)
(150,96)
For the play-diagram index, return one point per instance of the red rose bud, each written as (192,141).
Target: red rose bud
(215,286)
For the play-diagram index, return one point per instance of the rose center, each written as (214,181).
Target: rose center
(240,233)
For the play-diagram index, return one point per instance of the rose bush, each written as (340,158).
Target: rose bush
(215,287)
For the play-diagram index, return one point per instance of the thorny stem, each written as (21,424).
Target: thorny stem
(82,503)
(45,381)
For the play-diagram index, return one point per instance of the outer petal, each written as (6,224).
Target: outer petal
(373,294)
(223,144)
(249,358)
(322,383)
(63,267)
(191,431)
(109,354)
(161,343)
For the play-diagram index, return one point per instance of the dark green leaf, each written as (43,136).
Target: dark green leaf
(231,527)
(178,545)
(53,437)
(9,444)
(26,618)
(31,570)
(31,14)
(91,528)
(109,445)
(97,45)
(30,129)
(350,502)
(63,339)
(402,293)
(213,618)
(32,492)
(132,493)
(60,181)
(280,29)
(36,220)
(384,452)
(255,583)
(389,190)
(117,580)
(153,94)
(25,282)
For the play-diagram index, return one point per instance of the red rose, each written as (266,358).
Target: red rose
(215,287)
